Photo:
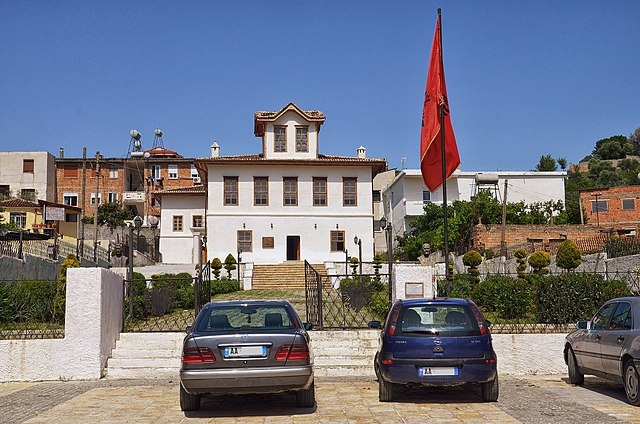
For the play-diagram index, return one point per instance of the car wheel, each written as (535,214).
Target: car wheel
(386,390)
(575,376)
(490,390)
(188,402)
(631,383)
(306,398)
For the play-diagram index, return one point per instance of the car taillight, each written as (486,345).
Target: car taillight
(387,361)
(393,319)
(490,361)
(481,322)
(292,352)
(194,355)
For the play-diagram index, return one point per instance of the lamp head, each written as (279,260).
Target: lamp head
(383,222)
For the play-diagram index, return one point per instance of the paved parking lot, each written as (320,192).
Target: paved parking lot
(530,399)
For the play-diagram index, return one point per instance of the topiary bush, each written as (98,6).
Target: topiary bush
(539,261)
(521,259)
(569,256)
(472,259)
(224,286)
(353,263)
(230,264)
(216,266)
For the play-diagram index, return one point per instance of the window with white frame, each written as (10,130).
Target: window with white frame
(18,218)
(70,199)
(93,199)
(113,171)
(194,171)
(173,172)
(426,196)
(112,197)
(155,172)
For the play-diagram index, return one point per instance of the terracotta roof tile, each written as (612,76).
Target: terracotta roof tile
(18,203)
(196,189)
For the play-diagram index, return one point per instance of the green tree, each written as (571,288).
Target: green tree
(113,214)
(615,147)
(546,163)
(569,256)
(230,264)
(562,162)
(521,258)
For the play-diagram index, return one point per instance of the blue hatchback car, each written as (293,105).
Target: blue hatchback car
(435,342)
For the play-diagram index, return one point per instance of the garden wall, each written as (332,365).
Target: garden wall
(93,320)
(33,268)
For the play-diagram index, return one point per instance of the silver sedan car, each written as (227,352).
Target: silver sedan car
(246,347)
(608,346)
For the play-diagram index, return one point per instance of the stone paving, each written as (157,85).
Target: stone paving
(524,399)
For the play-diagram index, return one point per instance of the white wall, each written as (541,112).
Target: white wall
(312,223)
(177,247)
(43,178)
(93,321)
(290,119)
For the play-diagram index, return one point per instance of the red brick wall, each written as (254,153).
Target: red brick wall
(615,216)
(489,236)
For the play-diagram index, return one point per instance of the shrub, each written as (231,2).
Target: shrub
(462,286)
(224,286)
(572,297)
(216,266)
(59,303)
(230,264)
(372,295)
(353,263)
(521,258)
(472,259)
(539,261)
(568,256)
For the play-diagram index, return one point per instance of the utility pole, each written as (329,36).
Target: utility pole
(83,205)
(95,210)
(580,206)
(503,244)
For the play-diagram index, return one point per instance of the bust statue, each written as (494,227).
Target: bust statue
(428,258)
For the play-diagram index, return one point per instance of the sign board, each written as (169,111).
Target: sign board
(54,214)
(414,289)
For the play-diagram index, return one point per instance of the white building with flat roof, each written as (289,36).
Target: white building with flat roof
(289,202)
(404,198)
(29,175)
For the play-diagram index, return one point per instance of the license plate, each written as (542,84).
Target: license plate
(245,351)
(437,371)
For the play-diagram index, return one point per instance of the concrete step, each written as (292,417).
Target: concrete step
(129,352)
(142,373)
(172,362)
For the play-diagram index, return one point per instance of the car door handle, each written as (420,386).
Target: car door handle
(620,339)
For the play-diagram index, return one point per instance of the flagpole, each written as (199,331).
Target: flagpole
(447,272)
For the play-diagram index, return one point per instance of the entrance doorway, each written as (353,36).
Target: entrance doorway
(293,248)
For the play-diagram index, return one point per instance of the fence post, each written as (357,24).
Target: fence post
(319,285)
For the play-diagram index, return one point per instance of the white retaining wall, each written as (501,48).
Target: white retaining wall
(93,321)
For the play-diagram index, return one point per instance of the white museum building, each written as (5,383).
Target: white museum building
(289,202)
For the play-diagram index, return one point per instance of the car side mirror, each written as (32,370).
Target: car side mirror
(487,322)
(308,326)
(374,324)
(582,325)
(189,328)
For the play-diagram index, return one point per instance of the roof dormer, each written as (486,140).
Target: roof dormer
(290,133)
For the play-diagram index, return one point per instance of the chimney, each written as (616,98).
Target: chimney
(215,150)
(362,152)
(62,153)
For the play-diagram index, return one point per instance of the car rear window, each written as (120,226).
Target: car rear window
(261,317)
(437,320)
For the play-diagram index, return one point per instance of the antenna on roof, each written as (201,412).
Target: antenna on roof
(135,145)
(404,158)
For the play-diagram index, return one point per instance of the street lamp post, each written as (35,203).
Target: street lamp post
(239,261)
(358,241)
(386,226)
(137,222)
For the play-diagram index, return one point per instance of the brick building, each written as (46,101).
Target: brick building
(130,181)
(613,208)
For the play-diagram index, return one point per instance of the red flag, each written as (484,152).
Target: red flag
(430,138)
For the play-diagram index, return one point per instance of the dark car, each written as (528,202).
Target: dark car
(435,342)
(608,346)
(246,347)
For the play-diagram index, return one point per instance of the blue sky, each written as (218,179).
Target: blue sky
(524,78)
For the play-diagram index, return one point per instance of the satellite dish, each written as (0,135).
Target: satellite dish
(158,132)
(147,155)
(135,134)
(137,144)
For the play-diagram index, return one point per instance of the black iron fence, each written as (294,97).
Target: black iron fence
(345,301)
(167,302)
(31,309)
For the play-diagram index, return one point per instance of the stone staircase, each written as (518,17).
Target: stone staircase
(342,353)
(285,276)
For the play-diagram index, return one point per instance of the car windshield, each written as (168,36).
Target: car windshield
(438,320)
(244,317)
